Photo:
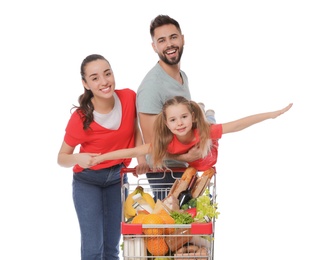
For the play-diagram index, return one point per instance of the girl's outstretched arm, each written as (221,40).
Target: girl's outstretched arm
(122,154)
(248,121)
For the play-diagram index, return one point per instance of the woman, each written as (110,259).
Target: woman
(103,122)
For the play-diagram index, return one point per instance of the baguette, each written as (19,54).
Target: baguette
(210,173)
(202,182)
(182,183)
(173,188)
(188,174)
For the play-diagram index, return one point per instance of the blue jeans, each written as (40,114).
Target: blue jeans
(97,200)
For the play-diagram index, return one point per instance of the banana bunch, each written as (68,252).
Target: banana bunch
(129,210)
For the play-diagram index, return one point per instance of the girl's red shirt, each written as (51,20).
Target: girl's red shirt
(102,140)
(202,164)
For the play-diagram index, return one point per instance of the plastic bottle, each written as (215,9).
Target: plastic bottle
(140,204)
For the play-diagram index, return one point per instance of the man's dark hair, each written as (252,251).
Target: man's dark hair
(161,20)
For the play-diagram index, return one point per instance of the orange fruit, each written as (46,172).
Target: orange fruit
(157,246)
(152,219)
(138,219)
(167,219)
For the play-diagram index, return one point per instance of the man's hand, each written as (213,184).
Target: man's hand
(193,154)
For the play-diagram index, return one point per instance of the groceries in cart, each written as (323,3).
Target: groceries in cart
(138,201)
(181,226)
(181,201)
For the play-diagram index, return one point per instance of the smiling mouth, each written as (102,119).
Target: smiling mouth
(105,89)
(181,129)
(172,51)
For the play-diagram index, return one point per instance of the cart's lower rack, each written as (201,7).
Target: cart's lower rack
(168,241)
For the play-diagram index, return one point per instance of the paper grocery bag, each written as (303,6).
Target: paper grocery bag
(178,239)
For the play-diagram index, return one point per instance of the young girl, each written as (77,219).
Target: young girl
(182,125)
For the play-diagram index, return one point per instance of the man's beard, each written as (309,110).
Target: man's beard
(174,61)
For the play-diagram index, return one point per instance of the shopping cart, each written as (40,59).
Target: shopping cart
(184,241)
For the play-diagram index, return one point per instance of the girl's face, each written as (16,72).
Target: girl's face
(99,79)
(179,119)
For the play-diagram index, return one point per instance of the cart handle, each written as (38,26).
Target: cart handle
(171,170)
(133,170)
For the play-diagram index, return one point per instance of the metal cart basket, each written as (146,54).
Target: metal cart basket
(166,241)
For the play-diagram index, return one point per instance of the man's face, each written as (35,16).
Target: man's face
(168,43)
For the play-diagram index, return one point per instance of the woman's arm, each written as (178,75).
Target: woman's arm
(248,121)
(66,157)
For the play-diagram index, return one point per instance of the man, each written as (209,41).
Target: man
(165,80)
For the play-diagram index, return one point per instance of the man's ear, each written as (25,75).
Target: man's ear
(153,46)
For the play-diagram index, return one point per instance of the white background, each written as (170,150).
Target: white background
(241,57)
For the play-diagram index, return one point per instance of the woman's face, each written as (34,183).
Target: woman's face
(179,119)
(99,79)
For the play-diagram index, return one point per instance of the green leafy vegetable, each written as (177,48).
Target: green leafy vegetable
(192,203)
(182,218)
(205,208)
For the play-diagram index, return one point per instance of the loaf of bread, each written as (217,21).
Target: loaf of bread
(182,183)
(202,182)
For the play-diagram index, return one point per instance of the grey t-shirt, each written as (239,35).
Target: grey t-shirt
(155,89)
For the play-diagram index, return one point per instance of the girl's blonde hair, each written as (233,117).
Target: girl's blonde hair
(163,136)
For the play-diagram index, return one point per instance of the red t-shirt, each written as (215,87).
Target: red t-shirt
(102,140)
(202,164)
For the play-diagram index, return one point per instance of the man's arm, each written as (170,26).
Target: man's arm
(193,154)
(142,166)
(146,124)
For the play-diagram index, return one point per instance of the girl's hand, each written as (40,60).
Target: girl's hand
(86,160)
(141,168)
(96,160)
